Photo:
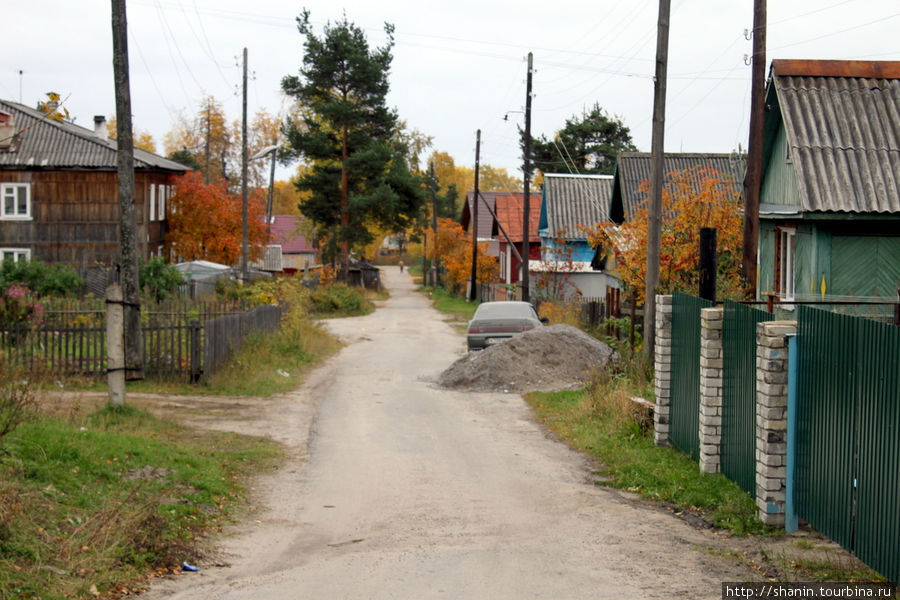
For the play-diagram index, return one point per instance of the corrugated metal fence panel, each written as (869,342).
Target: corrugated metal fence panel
(739,393)
(878,500)
(825,415)
(848,447)
(685,406)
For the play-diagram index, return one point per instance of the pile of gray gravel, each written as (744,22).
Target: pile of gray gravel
(557,357)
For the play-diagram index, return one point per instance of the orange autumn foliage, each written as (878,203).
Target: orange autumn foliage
(453,248)
(205,222)
(692,198)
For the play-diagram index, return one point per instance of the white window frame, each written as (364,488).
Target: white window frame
(152,201)
(10,190)
(164,193)
(785,241)
(18,254)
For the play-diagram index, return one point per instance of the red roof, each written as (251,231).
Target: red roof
(287,231)
(510,212)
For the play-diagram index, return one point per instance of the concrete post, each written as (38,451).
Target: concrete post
(771,419)
(662,362)
(711,366)
(115,344)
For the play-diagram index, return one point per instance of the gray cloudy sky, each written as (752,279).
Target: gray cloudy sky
(458,66)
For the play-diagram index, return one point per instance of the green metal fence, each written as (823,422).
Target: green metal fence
(684,416)
(848,436)
(739,393)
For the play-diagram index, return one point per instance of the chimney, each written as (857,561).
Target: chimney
(100,127)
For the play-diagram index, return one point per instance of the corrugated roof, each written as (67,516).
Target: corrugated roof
(843,132)
(573,202)
(510,212)
(633,169)
(44,143)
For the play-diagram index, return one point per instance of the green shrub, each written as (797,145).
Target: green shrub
(159,279)
(336,298)
(44,280)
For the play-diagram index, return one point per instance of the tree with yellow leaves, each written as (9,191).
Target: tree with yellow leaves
(692,199)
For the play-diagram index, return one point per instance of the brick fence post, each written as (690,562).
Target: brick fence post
(711,389)
(662,363)
(771,419)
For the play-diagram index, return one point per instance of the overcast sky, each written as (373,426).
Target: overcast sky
(458,66)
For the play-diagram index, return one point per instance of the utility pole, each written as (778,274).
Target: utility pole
(128,250)
(753,179)
(474,220)
(206,170)
(656,178)
(526,217)
(244,267)
(432,183)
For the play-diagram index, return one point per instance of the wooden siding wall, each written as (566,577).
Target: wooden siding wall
(76,216)
(780,181)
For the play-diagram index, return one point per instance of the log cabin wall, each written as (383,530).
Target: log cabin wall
(75,216)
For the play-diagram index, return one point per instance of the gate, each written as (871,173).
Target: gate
(848,434)
(739,393)
(684,415)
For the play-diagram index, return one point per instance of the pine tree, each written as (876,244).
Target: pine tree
(359,174)
(586,145)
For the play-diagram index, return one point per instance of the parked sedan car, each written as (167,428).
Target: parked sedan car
(497,321)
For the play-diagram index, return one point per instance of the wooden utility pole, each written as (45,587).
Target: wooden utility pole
(208,127)
(656,177)
(753,179)
(474,220)
(527,172)
(244,265)
(128,248)
(432,184)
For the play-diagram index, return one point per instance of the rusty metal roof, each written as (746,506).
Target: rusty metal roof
(574,202)
(633,169)
(842,125)
(41,143)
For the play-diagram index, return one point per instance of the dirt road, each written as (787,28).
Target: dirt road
(398,489)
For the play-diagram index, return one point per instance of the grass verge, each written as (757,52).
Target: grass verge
(599,421)
(91,506)
(459,309)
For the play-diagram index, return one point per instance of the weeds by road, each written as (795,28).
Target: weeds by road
(92,502)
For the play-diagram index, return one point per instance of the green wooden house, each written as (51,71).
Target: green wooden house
(830,202)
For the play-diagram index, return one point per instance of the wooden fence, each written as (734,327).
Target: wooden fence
(178,344)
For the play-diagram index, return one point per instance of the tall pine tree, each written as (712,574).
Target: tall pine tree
(359,174)
(586,145)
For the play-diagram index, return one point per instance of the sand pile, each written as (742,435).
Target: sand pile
(557,357)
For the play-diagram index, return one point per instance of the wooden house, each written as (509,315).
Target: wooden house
(633,170)
(509,233)
(59,194)
(571,207)
(830,202)
(485,225)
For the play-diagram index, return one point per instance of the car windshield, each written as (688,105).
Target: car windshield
(503,310)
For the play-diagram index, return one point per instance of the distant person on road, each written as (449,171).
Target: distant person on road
(401,266)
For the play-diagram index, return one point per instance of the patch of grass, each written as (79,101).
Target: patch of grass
(600,420)
(100,501)
(458,308)
(271,364)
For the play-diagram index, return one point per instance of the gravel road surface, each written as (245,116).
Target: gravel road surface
(396,488)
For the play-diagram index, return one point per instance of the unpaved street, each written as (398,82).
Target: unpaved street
(395,488)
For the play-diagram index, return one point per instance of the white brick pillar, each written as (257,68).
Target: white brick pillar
(710,389)
(662,366)
(771,419)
